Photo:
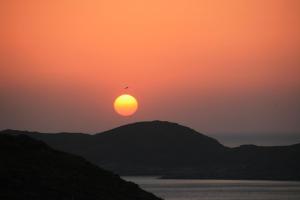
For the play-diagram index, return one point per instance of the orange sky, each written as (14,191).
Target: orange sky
(218,66)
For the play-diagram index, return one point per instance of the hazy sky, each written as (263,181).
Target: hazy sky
(222,67)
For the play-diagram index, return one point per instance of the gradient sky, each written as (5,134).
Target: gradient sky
(223,67)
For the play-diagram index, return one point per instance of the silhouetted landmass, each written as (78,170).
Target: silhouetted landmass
(31,170)
(174,151)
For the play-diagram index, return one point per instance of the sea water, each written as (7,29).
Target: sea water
(175,189)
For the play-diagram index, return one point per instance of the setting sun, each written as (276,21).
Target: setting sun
(125,105)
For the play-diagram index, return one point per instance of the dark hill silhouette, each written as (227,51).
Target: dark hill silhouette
(30,169)
(172,150)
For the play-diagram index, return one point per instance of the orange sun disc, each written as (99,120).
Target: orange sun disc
(125,105)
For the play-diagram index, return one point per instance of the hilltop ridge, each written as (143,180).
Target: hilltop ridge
(172,150)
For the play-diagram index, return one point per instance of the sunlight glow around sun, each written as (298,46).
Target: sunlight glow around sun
(125,105)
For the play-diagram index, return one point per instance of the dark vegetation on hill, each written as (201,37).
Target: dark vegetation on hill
(31,170)
(175,151)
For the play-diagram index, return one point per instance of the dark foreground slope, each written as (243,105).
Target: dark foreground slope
(175,151)
(29,169)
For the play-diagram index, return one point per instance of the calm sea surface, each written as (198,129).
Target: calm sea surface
(219,189)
